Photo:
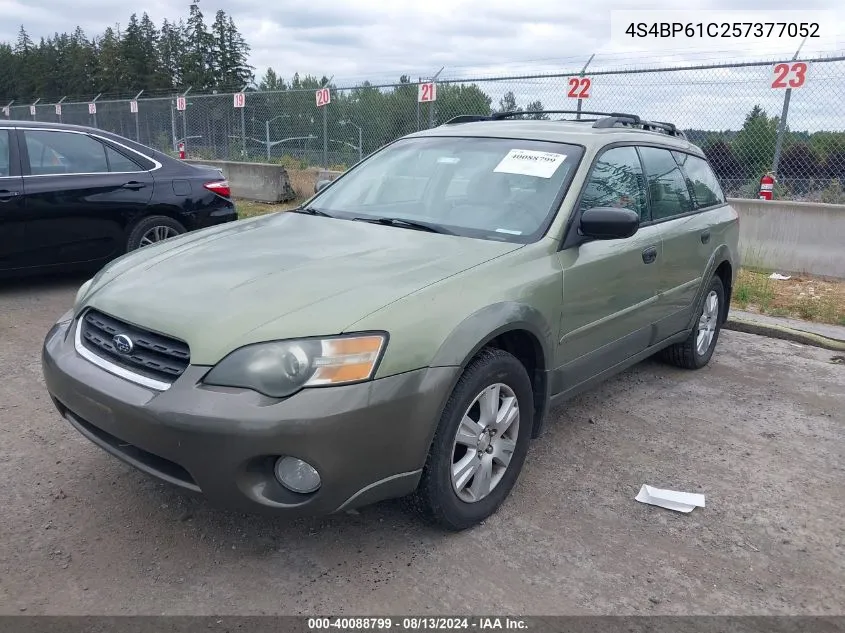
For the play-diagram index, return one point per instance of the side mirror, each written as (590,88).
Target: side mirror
(321,184)
(609,223)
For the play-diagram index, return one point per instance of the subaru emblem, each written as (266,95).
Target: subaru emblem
(123,344)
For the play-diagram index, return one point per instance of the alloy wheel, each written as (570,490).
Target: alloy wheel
(707,323)
(485,442)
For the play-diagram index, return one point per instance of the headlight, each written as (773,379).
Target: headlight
(281,368)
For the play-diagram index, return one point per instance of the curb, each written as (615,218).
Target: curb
(784,333)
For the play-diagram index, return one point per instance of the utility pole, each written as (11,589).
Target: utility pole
(782,123)
(583,70)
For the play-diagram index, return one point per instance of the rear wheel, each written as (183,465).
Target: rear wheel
(480,443)
(153,229)
(695,352)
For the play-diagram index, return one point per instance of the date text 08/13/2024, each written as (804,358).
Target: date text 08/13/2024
(414,623)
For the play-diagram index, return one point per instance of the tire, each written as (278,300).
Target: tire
(159,226)
(436,498)
(689,354)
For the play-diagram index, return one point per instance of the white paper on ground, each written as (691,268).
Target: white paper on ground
(779,277)
(670,499)
(526,162)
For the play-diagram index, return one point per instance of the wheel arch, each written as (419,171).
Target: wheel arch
(720,264)
(516,328)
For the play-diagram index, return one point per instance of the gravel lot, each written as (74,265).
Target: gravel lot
(761,432)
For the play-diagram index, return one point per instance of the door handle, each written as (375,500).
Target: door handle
(650,254)
(134,185)
(6,195)
(705,236)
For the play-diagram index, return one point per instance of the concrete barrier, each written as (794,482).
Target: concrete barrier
(792,237)
(264,182)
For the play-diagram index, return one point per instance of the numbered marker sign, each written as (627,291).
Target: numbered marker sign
(92,108)
(427,93)
(324,97)
(181,104)
(133,107)
(58,109)
(32,110)
(579,87)
(240,100)
(791,75)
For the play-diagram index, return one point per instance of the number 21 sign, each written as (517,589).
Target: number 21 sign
(579,87)
(789,75)
(427,92)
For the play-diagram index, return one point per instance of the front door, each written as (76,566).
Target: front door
(609,286)
(11,203)
(80,195)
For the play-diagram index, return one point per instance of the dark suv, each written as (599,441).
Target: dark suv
(75,196)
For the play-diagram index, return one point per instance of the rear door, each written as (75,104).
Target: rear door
(80,194)
(681,208)
(11,202)
(609,286)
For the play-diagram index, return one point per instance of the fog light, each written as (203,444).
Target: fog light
(297,475)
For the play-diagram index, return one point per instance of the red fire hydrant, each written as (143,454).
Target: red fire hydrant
(182,151)
(767,186)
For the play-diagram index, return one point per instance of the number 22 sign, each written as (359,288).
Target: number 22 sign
(789,75)
(579,87)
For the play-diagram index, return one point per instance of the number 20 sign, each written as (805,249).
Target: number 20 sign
(791,75)
(324,97)
(579,87)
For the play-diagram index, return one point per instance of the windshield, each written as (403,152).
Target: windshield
(502,189)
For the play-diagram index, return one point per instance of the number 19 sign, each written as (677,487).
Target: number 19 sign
(324,97)
(240,100)
(427,93)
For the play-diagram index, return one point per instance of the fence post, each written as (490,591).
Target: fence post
(59,103)
(326,129)
(583,70)
(137,123)
(94,101)
(431,103)
(34,111)
(782,123)
(185,121)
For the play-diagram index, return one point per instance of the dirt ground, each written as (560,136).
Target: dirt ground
(761,432)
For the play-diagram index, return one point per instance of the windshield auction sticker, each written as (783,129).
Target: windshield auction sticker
(526,162)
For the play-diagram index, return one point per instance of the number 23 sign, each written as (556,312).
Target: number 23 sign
(791,75)
(579,87)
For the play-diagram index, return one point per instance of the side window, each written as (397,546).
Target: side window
(64,153)
(617,181)
(5,163)
(119,162)
(706,190)
(667,187)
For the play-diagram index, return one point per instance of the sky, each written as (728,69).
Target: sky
(380,40)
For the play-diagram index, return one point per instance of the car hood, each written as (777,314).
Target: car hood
(280,276)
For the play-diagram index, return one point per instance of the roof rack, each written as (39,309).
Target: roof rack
(606,120)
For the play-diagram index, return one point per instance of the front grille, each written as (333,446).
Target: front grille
(154,355)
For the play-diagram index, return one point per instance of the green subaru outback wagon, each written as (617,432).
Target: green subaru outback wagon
(404,332)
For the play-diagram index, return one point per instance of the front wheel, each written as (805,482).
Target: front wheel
(480,443)
(695,352)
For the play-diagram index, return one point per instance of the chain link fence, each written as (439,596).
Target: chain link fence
(732,111)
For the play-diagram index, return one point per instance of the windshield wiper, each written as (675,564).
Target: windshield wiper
(312,211)
(411,224)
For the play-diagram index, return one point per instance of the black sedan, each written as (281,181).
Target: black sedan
(72,196)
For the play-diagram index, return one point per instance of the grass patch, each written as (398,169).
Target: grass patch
(250,208)
(801,297)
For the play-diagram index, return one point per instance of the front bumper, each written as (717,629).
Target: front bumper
(367,441)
